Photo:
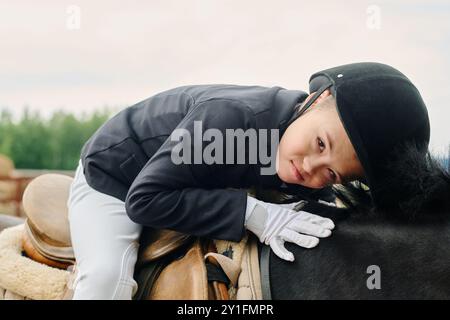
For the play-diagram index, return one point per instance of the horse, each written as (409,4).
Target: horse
(410,259)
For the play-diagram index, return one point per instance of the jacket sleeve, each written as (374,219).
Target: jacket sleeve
(166,195)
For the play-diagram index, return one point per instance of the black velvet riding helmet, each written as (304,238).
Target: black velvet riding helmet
(381,111)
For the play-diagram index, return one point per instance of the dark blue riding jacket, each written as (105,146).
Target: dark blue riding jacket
(129,157)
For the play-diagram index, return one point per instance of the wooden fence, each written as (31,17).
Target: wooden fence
(13,186)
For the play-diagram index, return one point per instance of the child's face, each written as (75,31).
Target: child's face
(317,145)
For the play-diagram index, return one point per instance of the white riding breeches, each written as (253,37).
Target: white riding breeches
(105,243)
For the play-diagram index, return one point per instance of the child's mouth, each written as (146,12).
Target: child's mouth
(296,173)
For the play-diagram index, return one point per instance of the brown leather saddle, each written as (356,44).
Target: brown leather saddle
(170,265)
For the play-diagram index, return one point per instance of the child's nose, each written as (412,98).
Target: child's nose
(312,164)
(307,168)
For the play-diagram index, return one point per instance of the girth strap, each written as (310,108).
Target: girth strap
(264,262)
(215,273)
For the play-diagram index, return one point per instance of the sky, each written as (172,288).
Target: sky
(81,56)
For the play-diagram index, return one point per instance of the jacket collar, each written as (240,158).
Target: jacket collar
(283,111)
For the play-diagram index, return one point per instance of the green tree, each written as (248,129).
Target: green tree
(36,143)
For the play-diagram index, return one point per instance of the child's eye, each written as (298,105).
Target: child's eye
(320,143)
(332,175)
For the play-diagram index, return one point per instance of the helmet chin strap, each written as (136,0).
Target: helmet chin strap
(311,101)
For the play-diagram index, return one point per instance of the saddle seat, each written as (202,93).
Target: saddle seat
(170,265)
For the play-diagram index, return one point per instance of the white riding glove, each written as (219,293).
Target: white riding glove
(274,224)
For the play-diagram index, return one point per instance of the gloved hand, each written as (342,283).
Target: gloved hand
(274,224)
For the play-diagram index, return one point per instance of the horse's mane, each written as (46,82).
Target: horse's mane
(417,187)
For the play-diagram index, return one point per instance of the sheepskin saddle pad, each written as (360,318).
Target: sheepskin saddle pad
(24,276)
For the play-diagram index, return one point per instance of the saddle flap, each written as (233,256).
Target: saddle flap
(156,243)
(183,279)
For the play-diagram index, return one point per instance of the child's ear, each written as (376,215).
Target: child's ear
(324,94)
